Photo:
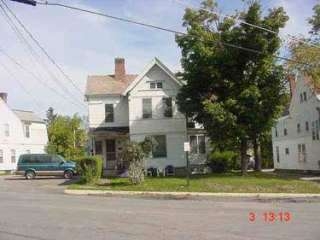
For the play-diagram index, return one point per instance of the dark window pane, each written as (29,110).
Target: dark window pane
(193,144)
(167,105)
(307,126)
(152,85)
(202,144)
(159,146)
(147,108)
(159,84)
(109,113)
(98,146)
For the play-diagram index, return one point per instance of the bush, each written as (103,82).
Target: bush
(223,161)
(89,169)
(134,153)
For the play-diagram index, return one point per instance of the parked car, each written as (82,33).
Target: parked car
(32,165)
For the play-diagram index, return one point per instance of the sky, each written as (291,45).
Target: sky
(84,44)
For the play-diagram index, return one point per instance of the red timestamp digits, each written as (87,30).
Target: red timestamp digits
(270,217)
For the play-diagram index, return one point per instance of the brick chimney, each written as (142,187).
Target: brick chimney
(4,96)
(292,84)
(119,69)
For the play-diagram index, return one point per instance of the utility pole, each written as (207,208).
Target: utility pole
(29,2)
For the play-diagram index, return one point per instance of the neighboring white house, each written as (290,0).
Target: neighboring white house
(20,132)
(296,141)
(134,106)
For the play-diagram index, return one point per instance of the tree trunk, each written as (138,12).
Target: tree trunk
(257,154)
(244,158)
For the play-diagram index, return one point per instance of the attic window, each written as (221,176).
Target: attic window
(155,85)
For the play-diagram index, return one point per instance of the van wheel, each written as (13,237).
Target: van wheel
(68,174)
(30,175)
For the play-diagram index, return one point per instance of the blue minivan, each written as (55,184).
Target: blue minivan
(32,165)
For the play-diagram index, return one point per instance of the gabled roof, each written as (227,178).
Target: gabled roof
(107,84)
(28,116)
(154,62)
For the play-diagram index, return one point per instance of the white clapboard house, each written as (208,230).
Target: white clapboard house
(296,141)
(20,132)
(134,106)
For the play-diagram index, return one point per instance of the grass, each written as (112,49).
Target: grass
(226,182)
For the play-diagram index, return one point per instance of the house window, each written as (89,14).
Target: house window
(159,146)
(301,98)
(13,156)
(167,107)
(98,147)
(287,151)
(317,129)
(298,128)
(302,153)
(152,85)
(307,126)
(276,132)
(27,130)
(285,132)
(159,84)
(304,96)
(109,116)
(156,85)
(147,108)
(1,156)
(313,126)
(6,130)
(198,144)
(278,154)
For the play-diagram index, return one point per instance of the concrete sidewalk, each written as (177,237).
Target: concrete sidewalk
(188,195)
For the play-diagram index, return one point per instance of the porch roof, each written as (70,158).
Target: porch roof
(109,130)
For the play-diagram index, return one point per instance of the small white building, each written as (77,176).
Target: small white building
(20,132)
(135,106)
(296,141)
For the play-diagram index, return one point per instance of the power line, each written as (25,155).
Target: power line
(248,24)
(162,29)
(36,77)
(35,56)
(21,85)
(43,49)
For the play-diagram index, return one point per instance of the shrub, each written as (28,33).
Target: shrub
(90,169)
(134,153)
(223,161)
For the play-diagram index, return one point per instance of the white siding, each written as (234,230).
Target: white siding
(17,140)
(173,127)
(97,111)
(300,113)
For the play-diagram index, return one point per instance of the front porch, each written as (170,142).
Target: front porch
(108,142)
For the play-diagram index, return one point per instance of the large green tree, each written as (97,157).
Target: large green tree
(66,136)
(234,92)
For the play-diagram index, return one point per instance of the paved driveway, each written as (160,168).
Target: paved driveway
(19,184)
(39,210)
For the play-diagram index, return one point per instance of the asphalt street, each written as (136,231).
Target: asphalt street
(38,209)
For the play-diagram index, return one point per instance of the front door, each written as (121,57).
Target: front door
(110,154)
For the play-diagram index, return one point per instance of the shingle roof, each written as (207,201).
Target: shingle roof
(107,84)
(27,116)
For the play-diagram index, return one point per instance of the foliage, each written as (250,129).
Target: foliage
(90,169)
(223,161)
(235,94)
(66,137)
(308,53)
(134,153)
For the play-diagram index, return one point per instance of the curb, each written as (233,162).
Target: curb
(186,195)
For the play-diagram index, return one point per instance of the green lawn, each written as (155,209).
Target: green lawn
(227,182)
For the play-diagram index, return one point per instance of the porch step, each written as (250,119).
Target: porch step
(110,172)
